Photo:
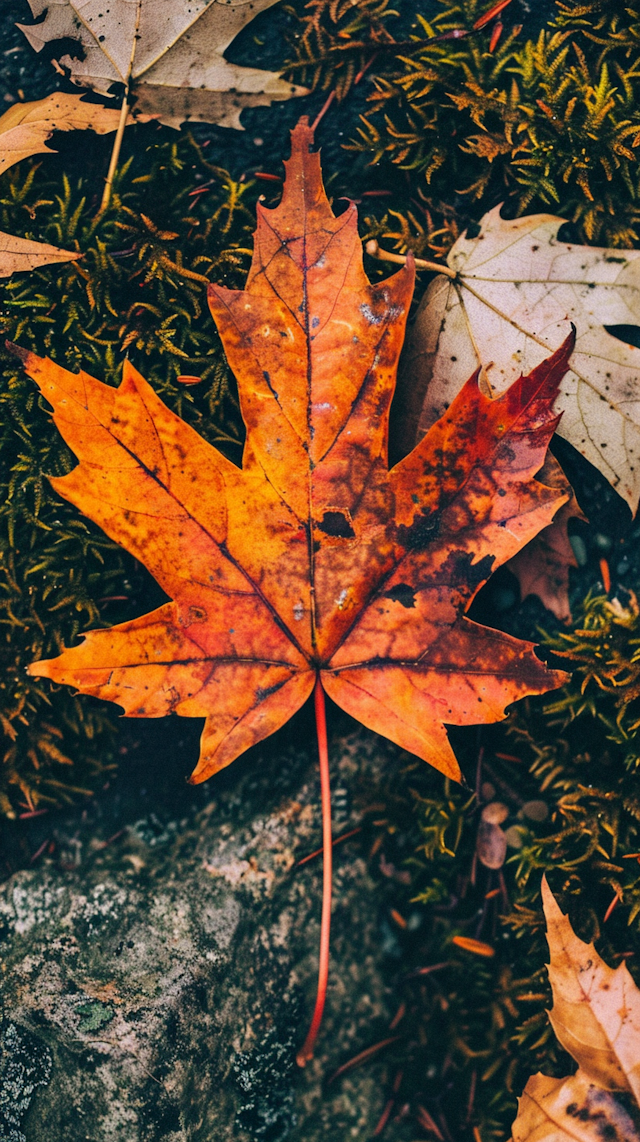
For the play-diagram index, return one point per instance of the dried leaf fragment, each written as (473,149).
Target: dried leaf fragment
(596,1009)
(571,1110)
(542,567)
(24,130)
(596,1017)
(26,127)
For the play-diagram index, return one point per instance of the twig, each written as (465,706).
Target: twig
(316,852)
(124,111)
(374,251)
(363,1057)
(323,110)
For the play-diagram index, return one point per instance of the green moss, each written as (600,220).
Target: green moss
(545,124)
(139,290)
(475,1026)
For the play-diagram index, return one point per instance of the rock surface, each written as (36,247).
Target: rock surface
(158,991)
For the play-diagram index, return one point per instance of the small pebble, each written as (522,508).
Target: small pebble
(491,845)
(602,542)
(513,837)
(579,549)
(495,813)
(487,791)
(536,810)
(623,567)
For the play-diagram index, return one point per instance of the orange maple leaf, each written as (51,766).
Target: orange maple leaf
(314,558)
(313,561)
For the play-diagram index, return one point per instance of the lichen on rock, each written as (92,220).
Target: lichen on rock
(165,982)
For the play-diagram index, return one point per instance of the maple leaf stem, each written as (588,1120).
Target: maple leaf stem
(306,1051)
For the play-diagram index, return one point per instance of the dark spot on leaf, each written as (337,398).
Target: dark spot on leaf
(421,532)
(402,593)
(336,525)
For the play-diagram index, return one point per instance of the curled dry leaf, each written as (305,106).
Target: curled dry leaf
(596,1017)
(596,1009)
(571,1110)
(542,567)
(513,292)
(313,560)
(171,49)
(24,130)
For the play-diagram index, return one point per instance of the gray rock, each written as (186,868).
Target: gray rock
(158,991)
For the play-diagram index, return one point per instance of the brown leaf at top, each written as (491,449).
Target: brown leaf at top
(24,131)
(596,1017)
(314,558)
(542,567)
(173,50)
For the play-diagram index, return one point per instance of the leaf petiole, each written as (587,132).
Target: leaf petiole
(306,1051)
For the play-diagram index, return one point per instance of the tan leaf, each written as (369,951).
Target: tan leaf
(173,50)
(596,1017)
(23,254)
(25,127)
(542,567)
(515,290)
(596,1009)
(571,1110)
(24,130)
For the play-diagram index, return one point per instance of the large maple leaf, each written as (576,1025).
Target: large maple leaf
(313,560)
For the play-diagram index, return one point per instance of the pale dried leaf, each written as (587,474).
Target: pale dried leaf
(516,290)
(571,1110)
(179,68)
(542,567)
(25,127)
(24,130)
(596,1009)
(23,254)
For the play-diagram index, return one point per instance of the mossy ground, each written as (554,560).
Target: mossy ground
(427,139)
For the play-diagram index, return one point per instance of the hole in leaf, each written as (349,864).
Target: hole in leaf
(336,525)
(629,334)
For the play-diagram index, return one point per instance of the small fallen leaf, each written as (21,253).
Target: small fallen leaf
(23,254)
(173,50)
(596,1009)
(24,130)
(571,1110)
(515,290)
(26,127)
(596,1017)
(542,567)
